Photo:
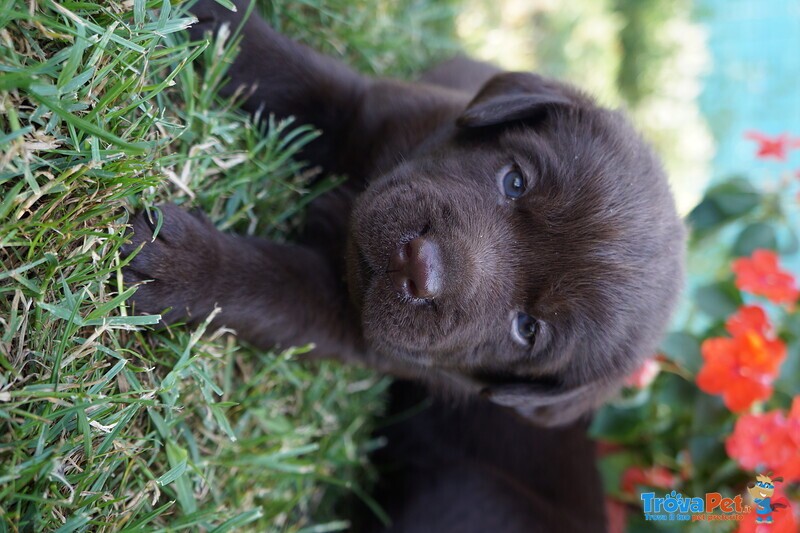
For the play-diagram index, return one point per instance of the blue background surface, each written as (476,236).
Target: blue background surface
(754,81)
(753,84)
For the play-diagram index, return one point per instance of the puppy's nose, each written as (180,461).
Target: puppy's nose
(415,269)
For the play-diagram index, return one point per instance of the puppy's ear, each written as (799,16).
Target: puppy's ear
(513,96)
(547,404)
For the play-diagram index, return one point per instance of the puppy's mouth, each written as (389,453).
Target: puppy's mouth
(396,278)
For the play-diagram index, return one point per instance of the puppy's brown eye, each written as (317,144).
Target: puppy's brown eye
(513,184)
(524,329)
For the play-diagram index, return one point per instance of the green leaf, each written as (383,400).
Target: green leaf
(735,197)
(718,300)
(147,518)
(178,458)
(706,451)
(705,216)
(20,269)
(671,394)
(684,349)
(237,522)
(619,424)
(789,380)
(723,203)
(108,376)
(75,523)
(15,80)
(173,473)
(139,7)
(792,325)
(755,236)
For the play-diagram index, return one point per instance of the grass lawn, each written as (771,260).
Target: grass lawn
(105,107)
(105,424)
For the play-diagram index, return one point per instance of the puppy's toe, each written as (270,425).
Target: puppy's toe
(175,257)
(211,15)
(147,251)
(155,297)
(178,229)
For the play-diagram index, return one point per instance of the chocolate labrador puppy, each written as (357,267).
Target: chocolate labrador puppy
(500,234)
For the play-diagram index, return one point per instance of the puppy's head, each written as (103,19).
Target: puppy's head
(533,248)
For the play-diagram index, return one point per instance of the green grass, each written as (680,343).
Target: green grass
(104,423)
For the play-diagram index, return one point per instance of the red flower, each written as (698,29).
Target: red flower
(770,441)
(774,147)
(742,368)
(643,376)
(749,318)
(761,275)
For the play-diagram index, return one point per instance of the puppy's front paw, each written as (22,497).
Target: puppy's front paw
(177,265)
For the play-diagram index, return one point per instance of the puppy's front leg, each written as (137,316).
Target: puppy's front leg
(270,294)
(367,124)
(286,78)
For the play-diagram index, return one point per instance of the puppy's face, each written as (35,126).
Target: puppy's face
(534,248)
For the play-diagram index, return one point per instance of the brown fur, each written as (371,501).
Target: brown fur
(475,467)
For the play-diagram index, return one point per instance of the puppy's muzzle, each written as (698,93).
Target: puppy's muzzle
(416,269)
